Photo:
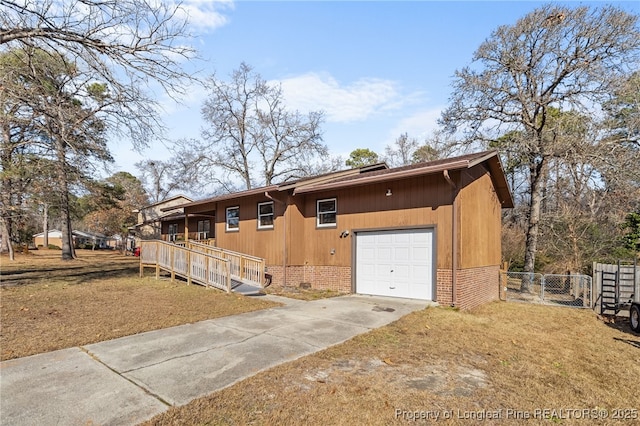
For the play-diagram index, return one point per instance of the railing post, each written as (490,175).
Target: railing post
(188,267)
(261,273)
(141,262)
(206,272)
(227,267)
(157,260)
(542,287)
(173,255)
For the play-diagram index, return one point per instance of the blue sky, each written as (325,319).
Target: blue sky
(377,69)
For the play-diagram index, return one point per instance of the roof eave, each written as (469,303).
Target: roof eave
(247,193)
(455,165)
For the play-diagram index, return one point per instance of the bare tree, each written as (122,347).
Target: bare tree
(127,43)
(162,178)
(554,57)
(251,137)
(408,150)
(123,49)
(401,153)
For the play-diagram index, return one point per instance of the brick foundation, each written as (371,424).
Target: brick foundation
(336,278)
(443,287)
(475,286)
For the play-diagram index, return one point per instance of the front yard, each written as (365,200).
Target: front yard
(504,362)
(48,304)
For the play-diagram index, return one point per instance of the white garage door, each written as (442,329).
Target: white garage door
(396,263)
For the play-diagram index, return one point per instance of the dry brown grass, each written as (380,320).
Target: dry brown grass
(48,304)
(302,293)
(517,358)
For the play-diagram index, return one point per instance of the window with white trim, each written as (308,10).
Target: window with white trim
(265,215)
(233,218)
(204,228)
(326,211)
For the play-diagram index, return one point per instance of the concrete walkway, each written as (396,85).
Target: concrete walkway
(128,380)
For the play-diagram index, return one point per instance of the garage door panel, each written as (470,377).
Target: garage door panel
(421,271)
(422,238)
(382,239)
(367,254)
(384,253)
(408,253)
(403,238)
(402,272)
(402,254)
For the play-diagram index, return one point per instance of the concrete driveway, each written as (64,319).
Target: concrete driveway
(128,380)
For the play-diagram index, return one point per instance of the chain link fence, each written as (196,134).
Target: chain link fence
(551,289)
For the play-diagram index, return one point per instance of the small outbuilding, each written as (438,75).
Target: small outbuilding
(428,231)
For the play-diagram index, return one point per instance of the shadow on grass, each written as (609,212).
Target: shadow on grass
(622,324)
(70,274)
(634,343)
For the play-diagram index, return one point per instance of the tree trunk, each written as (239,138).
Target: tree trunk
(531,245)
(5,195)
(6,238)
(67,233)
(68,251)
(45,225)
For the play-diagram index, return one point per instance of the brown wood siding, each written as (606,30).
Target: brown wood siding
(296,236)
(480,220)
(422,201)
(415,202)
(264,243)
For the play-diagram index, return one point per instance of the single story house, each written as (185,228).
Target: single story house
(427,231)
(80,239)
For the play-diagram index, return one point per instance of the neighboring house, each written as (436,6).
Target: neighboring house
(80,239)
(427,231)
(150,218)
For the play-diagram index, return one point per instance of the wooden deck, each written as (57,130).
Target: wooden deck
(202,264)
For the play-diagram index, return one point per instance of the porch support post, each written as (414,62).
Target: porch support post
(186,226)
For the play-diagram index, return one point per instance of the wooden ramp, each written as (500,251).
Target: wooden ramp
(205,265)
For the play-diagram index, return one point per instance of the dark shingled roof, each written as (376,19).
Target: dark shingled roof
(380,173)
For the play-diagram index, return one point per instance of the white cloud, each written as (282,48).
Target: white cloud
(357,101)
(206,14)
(419,124)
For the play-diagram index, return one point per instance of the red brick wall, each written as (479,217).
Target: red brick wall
(443,287)
(476,286)
(337,278)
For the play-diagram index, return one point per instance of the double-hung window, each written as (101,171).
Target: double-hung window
(326,211)
(233,218)
(265,215)
(204,228)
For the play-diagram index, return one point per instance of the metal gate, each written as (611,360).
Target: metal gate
(552,289)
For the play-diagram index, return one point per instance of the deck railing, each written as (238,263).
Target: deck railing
(196,266)
(243,267)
